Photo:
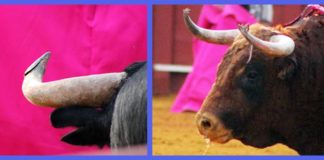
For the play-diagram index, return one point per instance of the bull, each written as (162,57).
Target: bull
(270,84)
(108,109)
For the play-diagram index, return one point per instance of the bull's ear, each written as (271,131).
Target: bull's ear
(286,67)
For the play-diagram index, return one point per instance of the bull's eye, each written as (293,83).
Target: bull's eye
(251,84)
(250,78)
(251,81)
(252,75)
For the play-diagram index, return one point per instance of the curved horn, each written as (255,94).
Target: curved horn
(92,90)
(278,45)
(212,36)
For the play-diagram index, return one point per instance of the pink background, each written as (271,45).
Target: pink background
(83,39)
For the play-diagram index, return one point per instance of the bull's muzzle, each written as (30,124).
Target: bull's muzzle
(212,128)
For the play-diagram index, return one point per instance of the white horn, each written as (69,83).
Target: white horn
(278,45)
(212,36)
(92,90)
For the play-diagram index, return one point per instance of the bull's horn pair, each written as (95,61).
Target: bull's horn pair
(278,46)
(92,90)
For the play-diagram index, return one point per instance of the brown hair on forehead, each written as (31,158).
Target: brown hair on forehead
(233,60)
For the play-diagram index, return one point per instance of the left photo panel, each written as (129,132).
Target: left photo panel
(73,80)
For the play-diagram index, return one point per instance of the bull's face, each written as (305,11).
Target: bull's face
(237,91)
(244,78)
(236,95)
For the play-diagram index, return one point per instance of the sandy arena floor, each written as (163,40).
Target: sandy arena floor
(176,134)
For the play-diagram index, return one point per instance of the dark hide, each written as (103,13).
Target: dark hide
(121,122)
(274,100)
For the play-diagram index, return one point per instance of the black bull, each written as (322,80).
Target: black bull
(120,122)
(262,98)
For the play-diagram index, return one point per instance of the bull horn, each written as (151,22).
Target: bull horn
(92,90)
(212,36)
(278,45)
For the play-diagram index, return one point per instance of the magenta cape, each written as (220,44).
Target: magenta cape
(83,39)
(207,56)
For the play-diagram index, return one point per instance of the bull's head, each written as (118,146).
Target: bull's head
(92,90)
(240,88)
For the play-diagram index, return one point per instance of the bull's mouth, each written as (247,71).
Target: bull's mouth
(221,139)
(212,128)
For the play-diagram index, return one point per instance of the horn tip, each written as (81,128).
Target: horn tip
(44,57)
(186,11)
(243,28)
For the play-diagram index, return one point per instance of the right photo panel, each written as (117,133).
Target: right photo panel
(238,80)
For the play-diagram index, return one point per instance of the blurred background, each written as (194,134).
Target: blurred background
(184,69)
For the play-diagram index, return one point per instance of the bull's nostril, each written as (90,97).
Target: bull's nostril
(205,123)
